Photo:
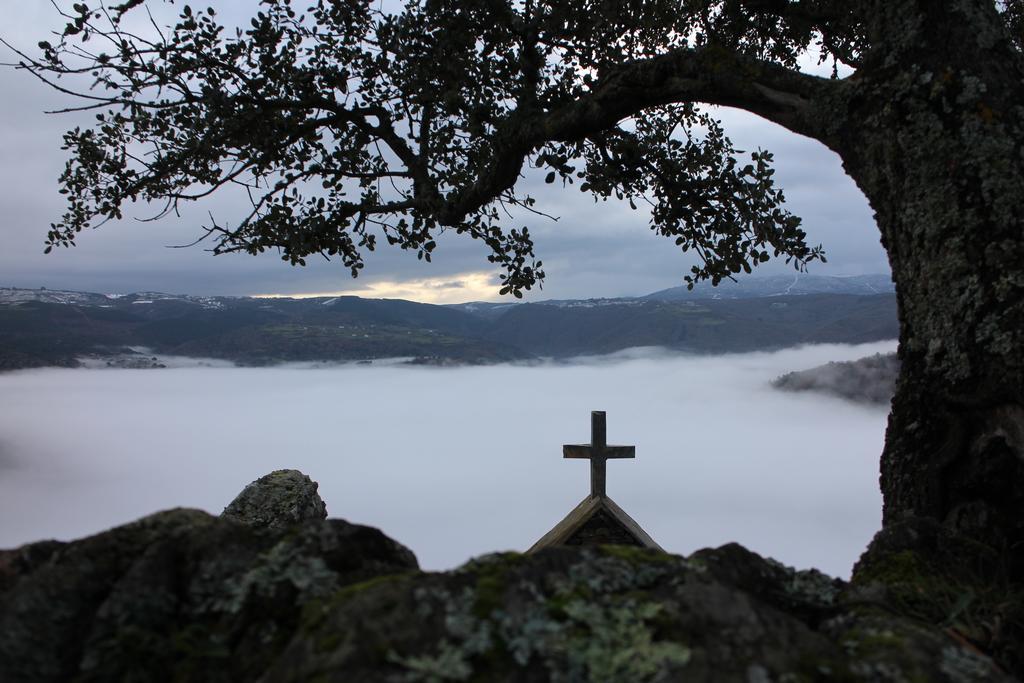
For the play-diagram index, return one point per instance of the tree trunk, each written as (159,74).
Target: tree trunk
(931,129)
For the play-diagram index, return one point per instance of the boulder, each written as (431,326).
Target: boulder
(180,595)
(278,500)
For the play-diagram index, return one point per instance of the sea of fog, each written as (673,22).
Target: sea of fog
(458,462)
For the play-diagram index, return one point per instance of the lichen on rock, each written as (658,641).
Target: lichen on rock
(185,596)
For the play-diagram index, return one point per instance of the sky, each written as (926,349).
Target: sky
(593,250)
(464,466)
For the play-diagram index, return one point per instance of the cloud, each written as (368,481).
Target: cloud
(473,286)
(459,462)
(7,460)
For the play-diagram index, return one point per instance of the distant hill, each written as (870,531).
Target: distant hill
(868,380)
(703,326)
(52,327)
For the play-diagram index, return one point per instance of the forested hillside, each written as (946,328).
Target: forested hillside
(51,328)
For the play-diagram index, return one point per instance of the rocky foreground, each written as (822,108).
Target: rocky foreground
(271,590)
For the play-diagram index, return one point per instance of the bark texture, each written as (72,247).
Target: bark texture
(931,128)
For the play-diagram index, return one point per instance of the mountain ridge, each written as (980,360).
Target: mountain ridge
(59,327)
(781,285)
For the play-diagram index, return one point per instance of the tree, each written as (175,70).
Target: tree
(347,124)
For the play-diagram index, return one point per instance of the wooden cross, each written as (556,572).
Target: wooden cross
(598,452)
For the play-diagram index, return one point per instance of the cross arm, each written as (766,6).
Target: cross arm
(586,451)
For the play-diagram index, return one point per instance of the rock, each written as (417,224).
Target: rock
(179,595)
(185,596)
(919,567)
(278,500)
(616,613)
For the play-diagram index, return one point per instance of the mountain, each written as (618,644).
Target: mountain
(45,327)
(50,327)
(780,285)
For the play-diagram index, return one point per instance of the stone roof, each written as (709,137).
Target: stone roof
(597,520)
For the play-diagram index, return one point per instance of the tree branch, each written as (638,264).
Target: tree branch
(710,75)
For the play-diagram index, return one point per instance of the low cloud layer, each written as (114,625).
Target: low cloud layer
(7,461)
(458,462)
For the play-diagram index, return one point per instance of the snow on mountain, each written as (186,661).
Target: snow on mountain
(780,285)
(18,295)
